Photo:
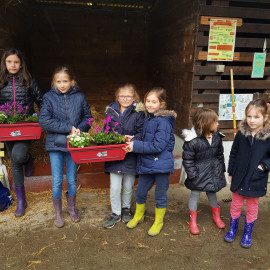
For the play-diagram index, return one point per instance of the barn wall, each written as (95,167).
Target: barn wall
(105,49)
(171,53)
(250,37)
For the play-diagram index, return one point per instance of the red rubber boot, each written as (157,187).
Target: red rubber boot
(193,227)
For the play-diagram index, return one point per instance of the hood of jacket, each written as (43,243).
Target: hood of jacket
(189,134)
(137,106)
(170,115)
(262,135)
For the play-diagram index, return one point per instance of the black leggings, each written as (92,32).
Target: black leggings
(18,152)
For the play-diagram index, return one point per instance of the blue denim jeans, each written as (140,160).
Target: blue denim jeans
(58,159)
(146,181)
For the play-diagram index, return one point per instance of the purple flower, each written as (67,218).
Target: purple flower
(10,108)
(107,129)
(107,120)
(116,124)
(90,121)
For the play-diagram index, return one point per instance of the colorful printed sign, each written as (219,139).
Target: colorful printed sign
(258,65)
(225,106)
(221,39)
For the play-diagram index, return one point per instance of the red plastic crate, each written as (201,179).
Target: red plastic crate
(97,153)
(19,132)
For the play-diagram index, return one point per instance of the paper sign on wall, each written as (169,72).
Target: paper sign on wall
(225,106)
(258,65)
(221,39)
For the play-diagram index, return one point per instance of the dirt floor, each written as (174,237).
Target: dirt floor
(32,242)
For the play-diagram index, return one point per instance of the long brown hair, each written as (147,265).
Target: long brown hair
(23,72)
(262,106)
(203,119)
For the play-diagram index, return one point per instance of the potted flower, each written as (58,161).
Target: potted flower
(99,145)
(16,124)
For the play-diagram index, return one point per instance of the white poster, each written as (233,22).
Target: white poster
(225,106)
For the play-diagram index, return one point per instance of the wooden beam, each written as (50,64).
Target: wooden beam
(232,12)
(254,28)
(201,98)
(211,71)
(240,57)
(202,55)
(239,42)
(225,84)
(205,20)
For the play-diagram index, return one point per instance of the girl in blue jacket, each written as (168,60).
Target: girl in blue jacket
(126,119)
(64,111)
(155,161)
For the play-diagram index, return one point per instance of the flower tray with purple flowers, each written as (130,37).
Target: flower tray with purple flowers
(99,145)
(16,124)
(97,153)
(20,132)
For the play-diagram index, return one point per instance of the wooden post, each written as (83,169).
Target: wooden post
(233,103)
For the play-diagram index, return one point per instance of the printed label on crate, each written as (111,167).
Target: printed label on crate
(16,133)
(102,154)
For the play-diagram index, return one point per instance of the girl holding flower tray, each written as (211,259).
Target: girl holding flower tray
(123,116)
(64,111)
(18,93)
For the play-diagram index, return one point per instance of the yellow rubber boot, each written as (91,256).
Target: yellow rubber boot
(138,216)
(158,223)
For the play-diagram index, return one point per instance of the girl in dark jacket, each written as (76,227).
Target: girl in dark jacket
(126,119)
(64,111)
(203,161)
(249,165)
(17,87)
(155,161)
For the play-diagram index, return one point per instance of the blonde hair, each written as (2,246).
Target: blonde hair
(203,119)
(130,87)
(64,69)
(263,108)
(160,93)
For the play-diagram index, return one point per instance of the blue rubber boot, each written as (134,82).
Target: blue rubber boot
(230,235)
(246,241)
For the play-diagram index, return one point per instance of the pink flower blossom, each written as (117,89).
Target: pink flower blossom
(90,121)
(98,129)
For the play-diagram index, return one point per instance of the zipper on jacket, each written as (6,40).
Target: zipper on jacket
(65,98)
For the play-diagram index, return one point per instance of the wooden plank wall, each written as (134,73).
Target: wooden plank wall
(207,84)
(11,29)
(105,49)
(172,29)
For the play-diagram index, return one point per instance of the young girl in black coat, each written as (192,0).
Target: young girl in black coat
(203,161)
(18,88)
(248,169)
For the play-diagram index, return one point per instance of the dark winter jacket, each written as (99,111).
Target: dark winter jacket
(203,163)
(128,123)
(59,112)
(157,144)
(246,155)
(25,96)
